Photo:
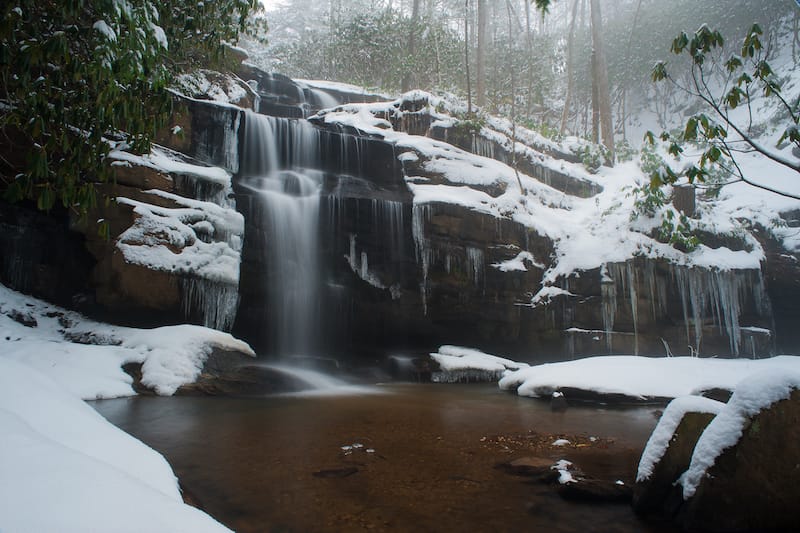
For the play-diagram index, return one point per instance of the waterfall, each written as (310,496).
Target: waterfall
(275,157)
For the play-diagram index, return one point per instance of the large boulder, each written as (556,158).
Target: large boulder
(745,469)
(668,453)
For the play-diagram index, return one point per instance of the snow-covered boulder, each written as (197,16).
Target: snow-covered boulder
(458,364)
(744,472)
(669,451)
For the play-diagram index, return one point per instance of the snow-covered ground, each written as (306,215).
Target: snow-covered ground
(642,377)
(63,467)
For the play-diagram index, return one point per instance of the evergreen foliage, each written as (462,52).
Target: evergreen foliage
(76,73)
(745,74)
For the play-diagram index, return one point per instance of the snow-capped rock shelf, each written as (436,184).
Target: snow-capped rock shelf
(86,357)
(466,365)
(641,378)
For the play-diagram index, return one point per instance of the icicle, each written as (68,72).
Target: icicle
(608,291)
(631,274)
(231,144)
(420,214)
(475,264)
(217,302)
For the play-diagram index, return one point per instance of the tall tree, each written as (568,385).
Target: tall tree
(570,67)
(600,76)
(480,59)
(408,79)
(466,56)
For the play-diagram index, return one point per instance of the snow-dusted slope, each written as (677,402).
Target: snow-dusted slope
(588,232)
(64,468)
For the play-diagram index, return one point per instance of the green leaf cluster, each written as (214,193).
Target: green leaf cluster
(743,76)
(76,75)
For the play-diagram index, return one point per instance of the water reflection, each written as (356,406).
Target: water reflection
(251,462)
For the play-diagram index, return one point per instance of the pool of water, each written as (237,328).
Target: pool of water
(426,460)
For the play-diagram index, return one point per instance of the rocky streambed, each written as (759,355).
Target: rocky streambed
(395,457)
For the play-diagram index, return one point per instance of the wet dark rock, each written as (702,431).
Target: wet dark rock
(558,402)
(335,473)
(716,393)
(609,398)
(781,272)
(90,337)
(596,491)
(755,484)
(134,370)
(26,319)
(659,495)
(538,469)
(683,198)
(39,255)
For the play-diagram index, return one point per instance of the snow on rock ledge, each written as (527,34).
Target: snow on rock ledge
(460,364)
(641,377)
(199,241)
(86,356)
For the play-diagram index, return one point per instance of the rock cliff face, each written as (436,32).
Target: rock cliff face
(169,219)
(397,270)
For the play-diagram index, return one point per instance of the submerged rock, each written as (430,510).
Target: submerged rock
(536,468)
(596,491)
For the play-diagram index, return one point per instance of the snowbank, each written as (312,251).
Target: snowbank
(86,356)
(641,377)
(64,468)
(467,364)
(662,435)
(750,397)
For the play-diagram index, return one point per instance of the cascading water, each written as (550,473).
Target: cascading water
(274,164)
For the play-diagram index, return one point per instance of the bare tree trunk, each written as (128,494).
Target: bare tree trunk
(408,78)
(595,101)
(570,68)
(513,104)
(601,78)
(795,36)
(529,45)
(466,56)
(480,58)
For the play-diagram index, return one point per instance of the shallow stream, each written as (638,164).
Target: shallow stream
(426,460)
